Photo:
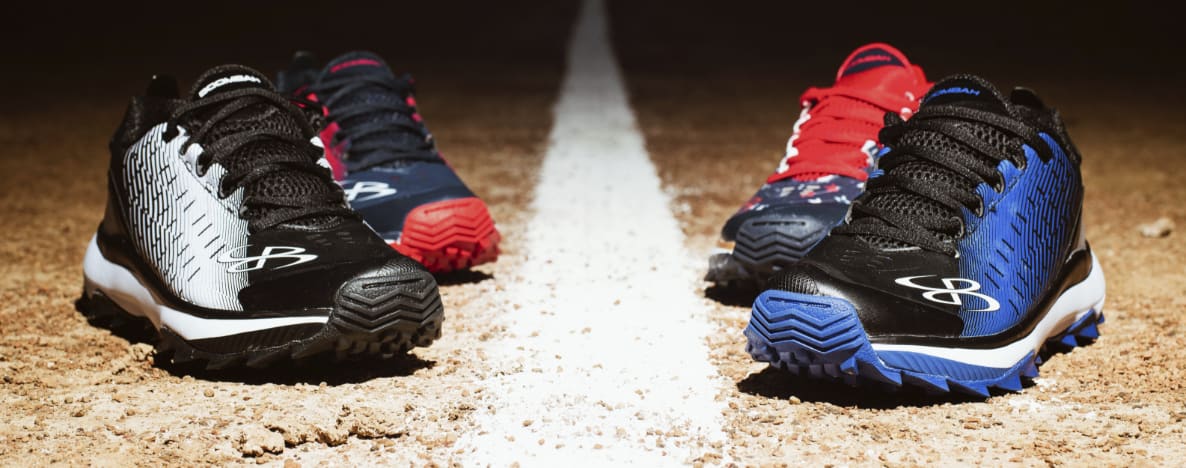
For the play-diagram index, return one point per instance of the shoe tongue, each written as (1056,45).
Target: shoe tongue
(872,67)
(264,115)
(961,90)
(357,63)
(969,91)
(878,66)
(225,78)
(388,125)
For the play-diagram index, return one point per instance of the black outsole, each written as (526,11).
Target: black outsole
(761,250)
(373,317)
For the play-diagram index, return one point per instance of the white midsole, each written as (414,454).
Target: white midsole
(121,286)
(1071,306)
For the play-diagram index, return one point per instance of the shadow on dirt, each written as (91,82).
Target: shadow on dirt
(779,384)
(454,278)
(733,294)
(312,370)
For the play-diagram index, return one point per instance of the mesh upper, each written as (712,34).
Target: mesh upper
(400,135)
(794,281)
(913,205)
(389,126)
(281,183)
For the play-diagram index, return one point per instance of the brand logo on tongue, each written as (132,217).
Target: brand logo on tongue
(954,90)
(871,58)
(868,60)
(354,63)
(226,80)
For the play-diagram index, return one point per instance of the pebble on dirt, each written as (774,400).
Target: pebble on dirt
(1162,227)
(255,441)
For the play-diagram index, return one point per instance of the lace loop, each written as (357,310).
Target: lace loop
(975,161)
(289,152)
(381,127)
(831,137)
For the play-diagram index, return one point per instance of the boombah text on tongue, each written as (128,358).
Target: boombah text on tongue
(387,161)
(828,158)
(228,82)
(225,230)
(962,264)
(290,185)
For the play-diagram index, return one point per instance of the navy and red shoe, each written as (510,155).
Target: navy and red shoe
(828,158)
(386,160)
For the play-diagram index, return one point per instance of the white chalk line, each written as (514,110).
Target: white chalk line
(605,359)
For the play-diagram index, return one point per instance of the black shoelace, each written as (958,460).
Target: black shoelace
(932,231)
(380,127)
(255,150)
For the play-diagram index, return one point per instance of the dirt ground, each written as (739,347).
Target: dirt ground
(715,93)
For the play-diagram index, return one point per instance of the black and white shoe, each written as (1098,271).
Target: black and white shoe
(225,229)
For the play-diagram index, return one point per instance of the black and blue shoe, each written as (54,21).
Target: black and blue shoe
(962,264)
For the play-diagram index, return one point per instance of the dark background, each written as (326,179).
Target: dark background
(103,50)
(99,51)
(1024,40)
(1123,61)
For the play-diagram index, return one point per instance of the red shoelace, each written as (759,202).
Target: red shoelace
(833,134)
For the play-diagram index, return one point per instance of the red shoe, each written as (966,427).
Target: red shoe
(829,156)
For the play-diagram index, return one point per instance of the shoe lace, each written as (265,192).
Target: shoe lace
(260,138)
(931,170)
(377,118)
(831,135)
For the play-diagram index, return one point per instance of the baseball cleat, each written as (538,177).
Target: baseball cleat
(962,265)
(828,159)
(385,158)
(225,230)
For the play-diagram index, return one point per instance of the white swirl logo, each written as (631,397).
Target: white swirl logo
(244,264)
(368,191)
(950,293)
